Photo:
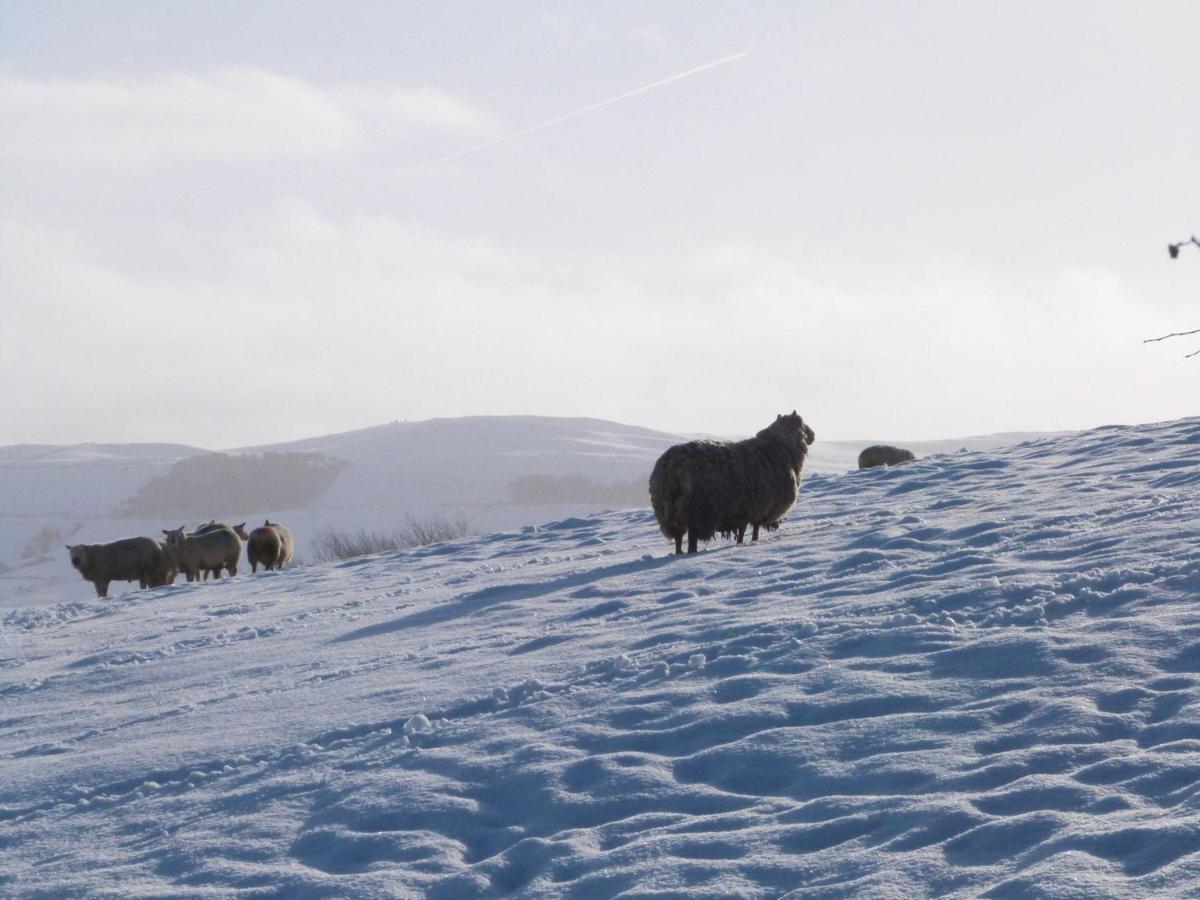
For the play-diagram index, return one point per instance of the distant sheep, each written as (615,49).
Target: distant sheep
(196,554)
(270,544)
(883,455)
(703,488)
(137,559)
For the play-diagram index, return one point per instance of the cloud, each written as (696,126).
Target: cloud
(424,106)
(235,114)
(302,321)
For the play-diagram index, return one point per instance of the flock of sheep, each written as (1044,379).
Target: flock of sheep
(211,548)
(705,488)
(699,489)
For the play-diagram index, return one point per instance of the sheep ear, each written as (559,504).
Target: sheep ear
(164,531)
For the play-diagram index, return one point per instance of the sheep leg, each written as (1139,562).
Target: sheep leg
(754,537)
(741,533)
(678,544)
(101,588)
(691,541)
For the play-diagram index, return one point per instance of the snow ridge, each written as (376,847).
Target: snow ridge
(974,674)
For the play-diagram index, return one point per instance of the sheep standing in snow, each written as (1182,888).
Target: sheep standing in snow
(214,525)
(883,455)
(137,559)
(270,544)
(196,554)
(703,488)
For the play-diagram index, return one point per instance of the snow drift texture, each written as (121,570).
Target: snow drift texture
(976,674)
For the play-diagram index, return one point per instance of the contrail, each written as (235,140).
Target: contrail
(571,115)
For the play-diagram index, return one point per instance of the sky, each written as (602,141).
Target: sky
(218,225)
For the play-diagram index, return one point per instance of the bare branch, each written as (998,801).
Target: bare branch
(1171,335)
(1173,249)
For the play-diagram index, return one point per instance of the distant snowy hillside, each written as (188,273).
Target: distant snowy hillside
(465,467)
(455,467)
(977,675)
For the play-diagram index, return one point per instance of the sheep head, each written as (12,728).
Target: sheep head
(793,420)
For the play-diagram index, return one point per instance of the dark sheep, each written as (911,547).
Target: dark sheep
(883,455)
(270,544)
(137,559)
(703,488)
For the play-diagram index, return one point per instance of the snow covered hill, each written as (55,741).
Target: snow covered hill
(459,467)
(452,467)
(977,674)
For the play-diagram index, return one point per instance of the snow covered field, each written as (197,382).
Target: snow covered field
(976,674)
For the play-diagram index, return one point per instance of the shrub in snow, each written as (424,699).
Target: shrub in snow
(331,544)
(42,543)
